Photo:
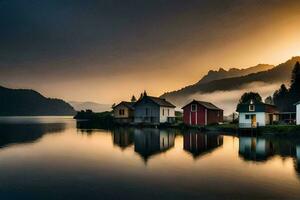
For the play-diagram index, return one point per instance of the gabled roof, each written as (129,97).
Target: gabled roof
(158,101)
(128,104)
(297,103)
(259,107)
(205,104)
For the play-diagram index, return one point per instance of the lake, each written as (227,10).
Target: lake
(55,158)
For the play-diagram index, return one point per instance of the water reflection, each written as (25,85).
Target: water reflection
(26,133)
(297,162)
(198,143)
(148,142)
(255,149)
(263,149)
(123,137)
(71,165)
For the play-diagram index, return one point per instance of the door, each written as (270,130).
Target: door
(271,118)
(253,121)
(193,118)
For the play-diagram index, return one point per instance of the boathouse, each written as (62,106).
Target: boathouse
(201,113)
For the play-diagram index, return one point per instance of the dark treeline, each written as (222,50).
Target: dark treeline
(285,98)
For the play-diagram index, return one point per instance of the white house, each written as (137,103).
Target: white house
(153,110)
(298,113)
(254,114)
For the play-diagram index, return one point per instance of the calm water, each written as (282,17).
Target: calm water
(49,158)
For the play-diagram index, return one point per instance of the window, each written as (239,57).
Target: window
(251,107)
(168,112)
(193,107)
(163,112)
(121,112)
(250,116)
(147,111)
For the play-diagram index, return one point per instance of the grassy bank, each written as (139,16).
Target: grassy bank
(279,130)
(106,119)
(231,128)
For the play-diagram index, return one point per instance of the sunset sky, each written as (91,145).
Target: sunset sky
(105,51)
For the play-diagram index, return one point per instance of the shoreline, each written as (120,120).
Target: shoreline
(230,129)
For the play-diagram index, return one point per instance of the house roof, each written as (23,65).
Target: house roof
(259,107)
(158,101)
(205,104)
(128,104)
(297,103)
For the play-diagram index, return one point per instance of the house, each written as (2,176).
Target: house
(153,110)
(287,117)
(201,113)
(253,114)
(298,113)
(124,112)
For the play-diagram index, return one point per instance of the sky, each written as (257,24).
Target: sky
(107,50)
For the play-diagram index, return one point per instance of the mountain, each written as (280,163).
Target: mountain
(24,102)
(233,72)
(96,107)
(278,74)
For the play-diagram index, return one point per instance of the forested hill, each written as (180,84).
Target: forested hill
(278,74)
(24,102)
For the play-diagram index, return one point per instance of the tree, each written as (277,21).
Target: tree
(295,81)
(145,93)
(285,98)
(281,93)
(248,96)
(112,106)
(133,99)
(141,96)
(281,98)
(269,100)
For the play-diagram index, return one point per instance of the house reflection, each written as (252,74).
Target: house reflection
(198,143)
(123,137)
(262,149)
(26,133)
(148,142)
(297,160)
(255,149)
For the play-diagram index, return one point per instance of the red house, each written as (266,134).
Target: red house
(201,113)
